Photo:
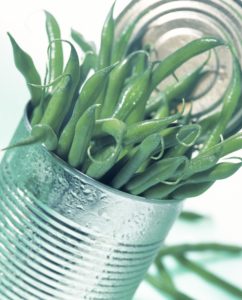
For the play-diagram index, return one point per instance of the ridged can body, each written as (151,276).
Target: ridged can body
(64,236)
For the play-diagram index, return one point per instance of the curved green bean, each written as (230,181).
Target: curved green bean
(143,152)
(137,132)
(116,129)
(177,58)
(25,65)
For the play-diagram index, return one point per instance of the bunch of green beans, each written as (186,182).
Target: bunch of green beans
(104,113)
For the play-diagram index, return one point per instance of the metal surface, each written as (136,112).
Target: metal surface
(170,24)
(64,236)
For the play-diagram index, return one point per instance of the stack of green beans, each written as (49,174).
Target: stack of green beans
(104,113)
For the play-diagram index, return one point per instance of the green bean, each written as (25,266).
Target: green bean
(164,110)
(39,134)
(160,191)
(116,129)
(164,288)
(190,190)
(81,42)
(122,42)
(143,152)
(132,95)
(89,92)
(207,125)
(107,38)
(199,247)
(61,101)
(209,276)
(25,65)
(169,136)
(138,112)
(204,161)
(177,90)
(218,172)
(38,111)
(83,134)
(157,172)
(191,216)
(186,137)
(235,123)
(55,49)
(121,45)
(89,63)
(210,157)
(177,58)
(164,274)
(230,101)
(137,132)
(140,64)
(116,82)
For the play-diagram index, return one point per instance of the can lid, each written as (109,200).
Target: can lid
(170,24)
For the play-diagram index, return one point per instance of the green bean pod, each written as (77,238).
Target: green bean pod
(164,110)
(177,90)
(177,58)
(204,161)
(209,276)
(140,63)
(160,191)
(107,38)
(83,134)
(156,173)
(235,123)
(190,190)
(81,42)
(39,134)
(186,137)
(218,172)
(89,63)
(230,101)
(116,129)
(121,44)
(25,65)
(116,82)
(89,92)
(38,111)
(143,152)
(61,101)
(132,95)
(207,125)
(55,49)
(139,131)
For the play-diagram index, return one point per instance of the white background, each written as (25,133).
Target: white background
(25,20)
